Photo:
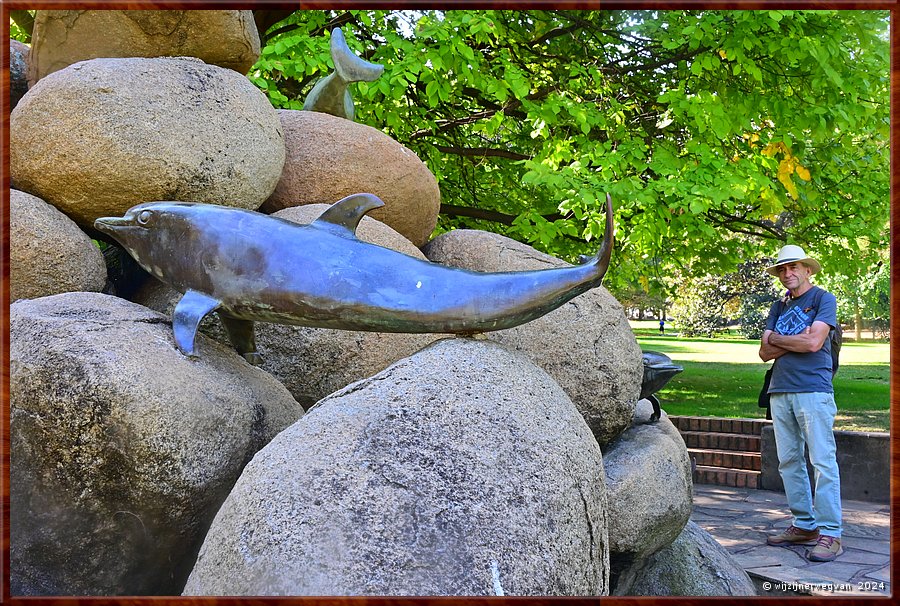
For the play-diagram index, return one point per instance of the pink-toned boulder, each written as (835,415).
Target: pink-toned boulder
(329,158)
(224,38)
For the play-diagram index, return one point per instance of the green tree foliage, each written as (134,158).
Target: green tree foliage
(720,134)
(21,23)
(864,296)
(706,304)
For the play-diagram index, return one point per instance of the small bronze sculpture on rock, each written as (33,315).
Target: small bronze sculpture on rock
(331,95)
(252,267)
(658,370)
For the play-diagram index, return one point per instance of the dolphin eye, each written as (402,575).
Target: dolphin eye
(144,217)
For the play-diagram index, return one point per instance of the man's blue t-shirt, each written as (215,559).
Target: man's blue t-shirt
(803,372)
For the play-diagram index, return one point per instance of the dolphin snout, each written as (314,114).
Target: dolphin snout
(108,225)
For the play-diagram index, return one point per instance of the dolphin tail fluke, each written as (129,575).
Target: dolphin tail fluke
(604,254)
(347,65)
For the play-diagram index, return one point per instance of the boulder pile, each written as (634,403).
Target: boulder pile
(346,463)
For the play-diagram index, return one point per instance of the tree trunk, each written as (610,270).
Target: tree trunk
(857,320)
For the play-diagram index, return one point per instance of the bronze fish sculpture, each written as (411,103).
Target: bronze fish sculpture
(658,370)
(251,267)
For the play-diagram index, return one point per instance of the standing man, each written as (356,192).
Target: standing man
(802,402)
(662,326)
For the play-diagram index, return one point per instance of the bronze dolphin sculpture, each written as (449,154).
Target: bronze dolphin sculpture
(250,267)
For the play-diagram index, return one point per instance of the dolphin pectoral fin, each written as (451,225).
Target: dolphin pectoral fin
(347,65)
(657,411)
(191,309)
(240,332)
(347,212)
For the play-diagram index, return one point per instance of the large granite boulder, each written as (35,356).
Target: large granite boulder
(18,71)
(313,362)
(648,479)
(100,136)
(693,565)
(462,470)
(225,38)
(586,345)
(121,448)
(48,253)
(329,158)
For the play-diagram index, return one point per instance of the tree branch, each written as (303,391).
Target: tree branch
(338,21)
(487,215)
(443,125)
(481,152)
(732,223)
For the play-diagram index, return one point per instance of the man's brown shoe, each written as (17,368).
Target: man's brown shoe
(827,549)
(795,536)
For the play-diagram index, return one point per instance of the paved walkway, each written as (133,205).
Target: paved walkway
(741,518)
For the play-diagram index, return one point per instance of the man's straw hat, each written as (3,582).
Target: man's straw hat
(794,254)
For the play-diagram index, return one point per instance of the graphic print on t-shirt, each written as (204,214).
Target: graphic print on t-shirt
(793,321)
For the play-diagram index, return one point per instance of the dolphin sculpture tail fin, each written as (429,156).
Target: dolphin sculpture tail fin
(604,254)
(347,65)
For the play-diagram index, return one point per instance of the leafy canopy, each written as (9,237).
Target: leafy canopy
(719,134)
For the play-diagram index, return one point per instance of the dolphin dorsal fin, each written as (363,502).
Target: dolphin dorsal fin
(347,213)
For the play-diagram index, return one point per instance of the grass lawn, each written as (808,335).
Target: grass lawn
(722,378)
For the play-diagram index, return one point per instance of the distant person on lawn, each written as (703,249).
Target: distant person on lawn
(662,327)
(802,402)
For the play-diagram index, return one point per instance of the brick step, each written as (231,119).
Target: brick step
(720,476)
(721,441)
(725,458)
(720,424)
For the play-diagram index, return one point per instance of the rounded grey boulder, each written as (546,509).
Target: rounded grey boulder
(100,136)
(121,448)
(63,37)
(586,345)
(648,479)
(48,253)
(461,470)
(693,565)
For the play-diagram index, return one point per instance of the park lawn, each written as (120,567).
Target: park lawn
(722,378)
